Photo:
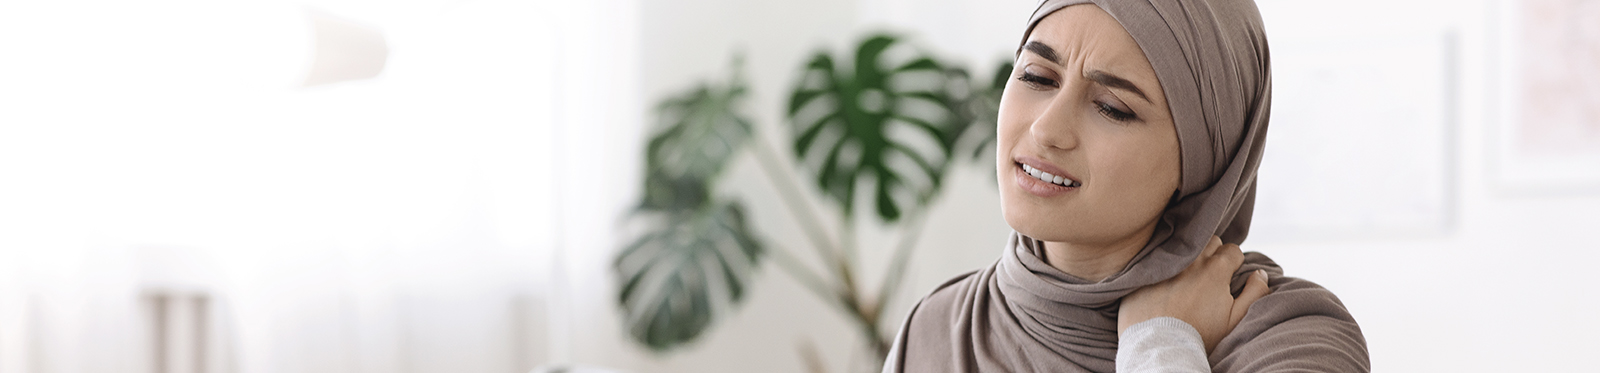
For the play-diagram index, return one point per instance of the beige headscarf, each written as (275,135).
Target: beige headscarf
(1023,315)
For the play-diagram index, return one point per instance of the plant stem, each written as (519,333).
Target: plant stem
(840,262)
(825,246)
(899,261)
(806,277)
(845,264)
(812,359)
(847,241)
(839,256)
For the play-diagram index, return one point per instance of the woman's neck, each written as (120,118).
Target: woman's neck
(1095,262)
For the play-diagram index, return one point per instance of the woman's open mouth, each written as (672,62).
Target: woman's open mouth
(1056,180)
(1043,184)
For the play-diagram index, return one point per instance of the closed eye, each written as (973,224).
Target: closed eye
(1036,81)
(1114,113)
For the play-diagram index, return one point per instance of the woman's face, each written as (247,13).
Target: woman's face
(1084,106)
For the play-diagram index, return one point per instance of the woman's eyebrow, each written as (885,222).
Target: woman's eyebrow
(1113,81)
(1098,76)
(1043,51)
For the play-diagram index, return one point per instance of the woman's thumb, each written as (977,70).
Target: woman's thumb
(1254,289)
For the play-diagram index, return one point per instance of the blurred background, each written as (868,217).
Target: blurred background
(451,186)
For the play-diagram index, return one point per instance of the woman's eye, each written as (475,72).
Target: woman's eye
(1114,113)
(1035,80)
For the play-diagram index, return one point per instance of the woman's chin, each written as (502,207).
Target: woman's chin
(1036,227)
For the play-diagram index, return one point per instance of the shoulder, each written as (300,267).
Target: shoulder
(950,306)
(945,300)
(1291,297)
(935,315)
(1299,325)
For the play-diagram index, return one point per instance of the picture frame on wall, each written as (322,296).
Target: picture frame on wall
(1546,137)
(1359,148)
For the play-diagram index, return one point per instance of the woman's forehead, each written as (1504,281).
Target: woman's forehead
(1085,33)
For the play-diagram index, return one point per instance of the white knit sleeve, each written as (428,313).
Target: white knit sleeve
(1162,344)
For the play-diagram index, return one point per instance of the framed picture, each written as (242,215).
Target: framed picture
(1547,133)
(1359,146)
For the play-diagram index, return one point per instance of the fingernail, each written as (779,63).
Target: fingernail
(1262,274)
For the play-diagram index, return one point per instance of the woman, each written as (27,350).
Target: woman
(1129,139)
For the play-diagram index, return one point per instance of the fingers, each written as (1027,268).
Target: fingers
(1231,257)
(1254,288)
(1220,259)
(1211,247)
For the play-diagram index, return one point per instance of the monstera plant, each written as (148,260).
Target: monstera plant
(884,122)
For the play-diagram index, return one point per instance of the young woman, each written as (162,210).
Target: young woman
(1129,139)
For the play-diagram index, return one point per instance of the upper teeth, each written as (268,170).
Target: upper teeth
(1048,178)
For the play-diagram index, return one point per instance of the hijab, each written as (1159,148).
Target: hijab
(1021,314)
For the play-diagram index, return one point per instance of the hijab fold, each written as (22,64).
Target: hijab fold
(1021,314)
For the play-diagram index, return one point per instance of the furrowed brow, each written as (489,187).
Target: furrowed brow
(1043,51)
(1113,81)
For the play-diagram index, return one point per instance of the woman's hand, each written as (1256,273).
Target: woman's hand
(1198,296)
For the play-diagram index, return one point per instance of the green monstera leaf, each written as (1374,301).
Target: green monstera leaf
(882,117)
(676,278)
(697,252)
(700,131)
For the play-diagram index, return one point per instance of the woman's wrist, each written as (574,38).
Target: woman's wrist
(1161,344)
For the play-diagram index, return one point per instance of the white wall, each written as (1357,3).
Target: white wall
(403,223)
(1506,287)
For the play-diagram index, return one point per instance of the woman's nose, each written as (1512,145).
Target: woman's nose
(1057,126)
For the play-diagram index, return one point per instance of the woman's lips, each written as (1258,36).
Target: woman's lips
(1041,165)
(1035,186)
